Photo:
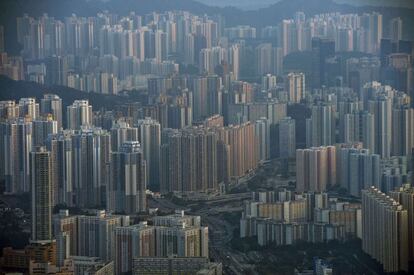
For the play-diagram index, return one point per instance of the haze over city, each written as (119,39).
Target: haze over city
(206,137)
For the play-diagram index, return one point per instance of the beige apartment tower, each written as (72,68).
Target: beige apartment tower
(385,230)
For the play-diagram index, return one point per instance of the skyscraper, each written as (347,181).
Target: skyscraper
(264,60)
(127,185)
(395,29)
(41,189)
(269,82)
(177,234)
(16,145)
(28,108)
(96,234)
(132,242)
(192,238)
(200,102)
(52,104)
(122,132)
(321,50)
(242,155)
(385,230)
(2,47)
(315,168)
(381,107)
(402,131)
(262,131)
(60,147)
(345,40)
(320,128)
(150,137)
(8,110)
(79,114)
(289,36)
(287,138)
(189,160)
(359,169)
(214,95)
(405,196)
(295,87)
(372,23)
(42,128)
(91,149)
(359,127)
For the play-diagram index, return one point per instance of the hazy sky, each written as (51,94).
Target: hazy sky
(244,4)
(255,4)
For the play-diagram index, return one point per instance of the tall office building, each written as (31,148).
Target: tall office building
(149,132)
(359,169)
(287,138)
(295,87)
(322,49)
(385,230)
(315,168)
(320,128)
(79,114)
(41,189)
(359,126)
(381,107)
(52,104)
(127,184)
